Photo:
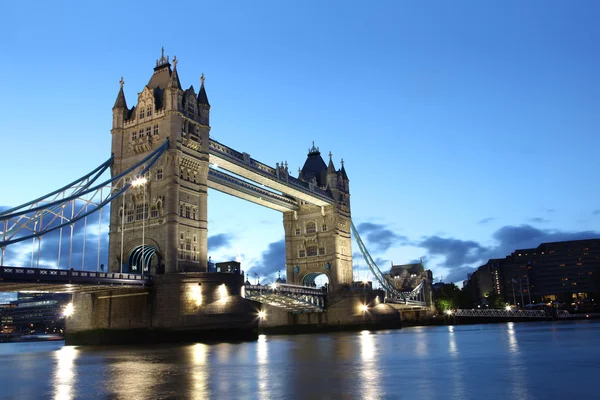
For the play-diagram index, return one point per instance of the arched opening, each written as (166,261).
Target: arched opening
(144,257)
(317,280)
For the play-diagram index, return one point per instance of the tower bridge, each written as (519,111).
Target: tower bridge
(163,163)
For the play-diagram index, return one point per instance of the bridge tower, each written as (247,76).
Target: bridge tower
(164,219)
(318,239)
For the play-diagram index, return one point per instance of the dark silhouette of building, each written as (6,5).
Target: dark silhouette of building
(555,271)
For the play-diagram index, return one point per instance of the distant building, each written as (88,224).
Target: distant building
(555,271)
(34,311)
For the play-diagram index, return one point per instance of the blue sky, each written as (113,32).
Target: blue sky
(468,128)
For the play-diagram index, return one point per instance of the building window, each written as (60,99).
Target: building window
(311,227)
(187,211)
(129,215)
(148,131)
(142,113)
(141,211)
(193,213)
(155,130)
(311,251)
(302,253)
(324,227)
(194,240)
(159,173)
(134,135)
(149,111)
(154,212)
(181,214)
(321,251)
(191,106)
(297,231)
(188,246)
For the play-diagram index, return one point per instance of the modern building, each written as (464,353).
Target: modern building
(38,312)
(555,271)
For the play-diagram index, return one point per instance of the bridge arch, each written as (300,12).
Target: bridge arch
(146,256)
(317,279)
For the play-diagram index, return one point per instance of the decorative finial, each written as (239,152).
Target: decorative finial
(330,155)
(342,161)
(175,61)
(121,82)
(162,52)
(202,79)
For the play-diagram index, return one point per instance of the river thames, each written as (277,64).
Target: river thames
(494,361)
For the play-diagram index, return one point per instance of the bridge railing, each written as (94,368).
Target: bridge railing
(49,275)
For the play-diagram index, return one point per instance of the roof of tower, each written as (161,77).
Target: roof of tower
(121,102)
(314,166)
(162,73)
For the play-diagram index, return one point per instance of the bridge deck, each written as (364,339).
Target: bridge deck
(18,279)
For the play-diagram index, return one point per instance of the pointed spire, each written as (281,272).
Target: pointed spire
(343,171)
(330,167)
(174,82)
(120,102)
(202,98)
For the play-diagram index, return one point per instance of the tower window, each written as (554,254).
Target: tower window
(155,130)
(129,215)
(311,227)
(159,173)
(149,111)
(148,131)
(181,214)
(141,113)
(134,135)
(187,211)
(141,211)
(297,231)
(302,253)
(321,251)
(324,227)
(193,213)
(154,212)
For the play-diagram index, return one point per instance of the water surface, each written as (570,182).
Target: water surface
(497,361)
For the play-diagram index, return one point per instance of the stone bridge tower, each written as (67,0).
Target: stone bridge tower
(164,220)
(318,239)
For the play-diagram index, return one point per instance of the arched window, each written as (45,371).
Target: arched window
(311,227)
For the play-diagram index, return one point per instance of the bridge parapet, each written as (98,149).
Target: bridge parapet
(62,276)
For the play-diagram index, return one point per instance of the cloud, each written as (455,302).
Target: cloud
(596,212)
(459,274)
(219,241)
(539,220)
(379,237)
(272,260)
(550,210)
(486,220)
(456,252)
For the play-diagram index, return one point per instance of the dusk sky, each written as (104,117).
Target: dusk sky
(468,129)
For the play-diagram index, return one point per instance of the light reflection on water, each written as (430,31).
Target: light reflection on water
(64,375)
(517,361)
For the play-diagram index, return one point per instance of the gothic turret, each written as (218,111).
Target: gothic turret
(203,104)
(120,110)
